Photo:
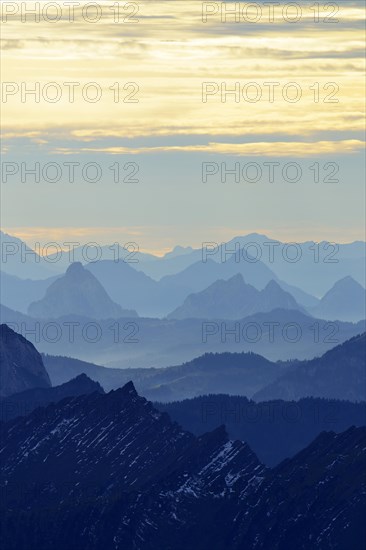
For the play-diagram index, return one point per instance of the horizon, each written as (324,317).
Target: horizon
(41,240)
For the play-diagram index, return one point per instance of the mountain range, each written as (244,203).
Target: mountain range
(234,299)
(233,373)
(338,374)
(148,342)
(131,288)
(314,267)
(275,430)
(110,470)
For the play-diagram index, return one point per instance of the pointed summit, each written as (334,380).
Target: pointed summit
(129,389)
(345,301)
(78,292)
(234,299)
(74,269)
(273,286)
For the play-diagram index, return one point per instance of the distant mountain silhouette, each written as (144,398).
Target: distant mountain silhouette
(200,275)
(18,259)
(310,273)
(317,265)
(346,301)
(127,286)
(23,403)
(145,342)
(111,471)
(234,373)
(234,299)
(77,292)
(340,373)
(21,366)
(62,369)
(18,294)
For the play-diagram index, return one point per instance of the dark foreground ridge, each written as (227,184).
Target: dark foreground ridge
(110,471)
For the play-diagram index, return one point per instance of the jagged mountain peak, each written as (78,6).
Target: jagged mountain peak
(234,299)
(130,478)
(128,390)
(83,381)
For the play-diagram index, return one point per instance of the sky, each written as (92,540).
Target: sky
(131,134)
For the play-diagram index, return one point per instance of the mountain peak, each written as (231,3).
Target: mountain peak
(76,268)
(236,278)
(273,285)
(348,282)
(234,299)
(83,382)
(344,301)
(77,292)
(129,389)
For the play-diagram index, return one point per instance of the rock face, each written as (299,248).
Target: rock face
(21,366)
(312,500)
(234,299)
(346,301)
(78,292)
(110,471)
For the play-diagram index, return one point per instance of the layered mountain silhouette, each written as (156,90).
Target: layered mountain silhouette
(346,301)
(147,342)
(127,286)
(233,373)
(312,266)
(21,366)
(18,294)
(317,266)
(112,471)
(20,260)
(131,288)
(340,373)
(78,292)
(234,299)
(23,403)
